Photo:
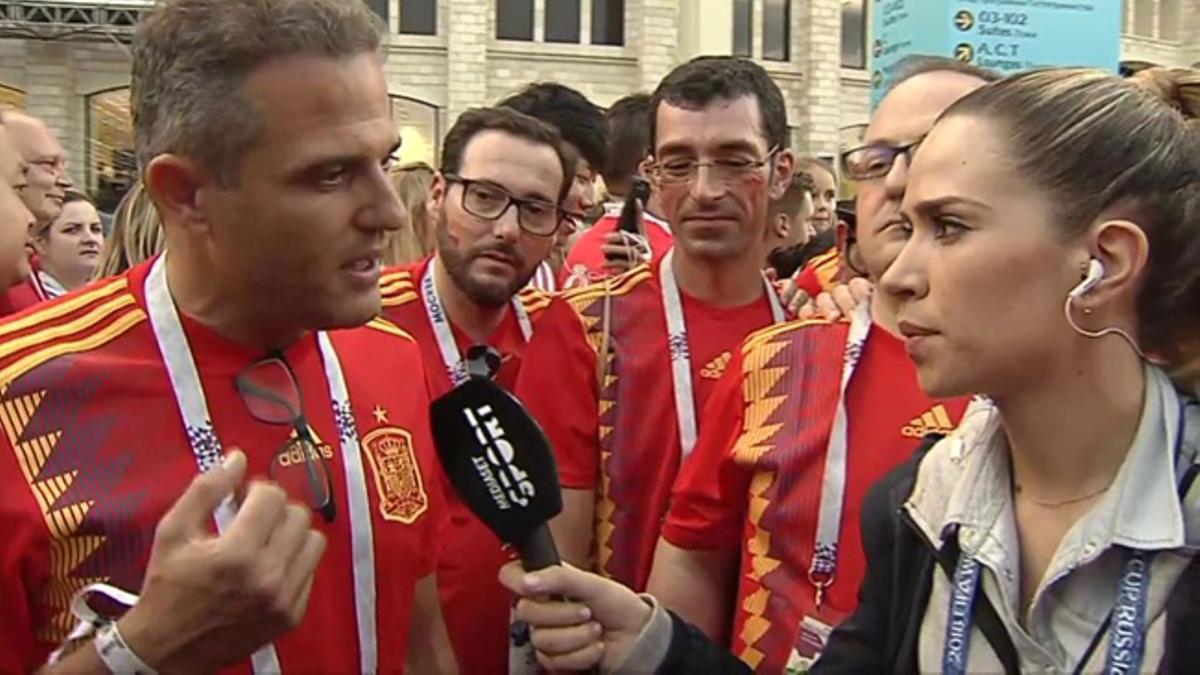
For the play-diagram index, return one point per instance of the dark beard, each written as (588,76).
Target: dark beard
(458,265)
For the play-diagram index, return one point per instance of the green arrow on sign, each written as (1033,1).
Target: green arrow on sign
(964,20)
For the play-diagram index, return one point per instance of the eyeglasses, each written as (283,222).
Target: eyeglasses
(727,171)
(875,160)
(272,395)
(489,201)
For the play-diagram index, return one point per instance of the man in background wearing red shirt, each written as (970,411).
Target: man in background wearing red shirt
(626,365)
(602,251)
(809,416)
(255,331)
(496,204)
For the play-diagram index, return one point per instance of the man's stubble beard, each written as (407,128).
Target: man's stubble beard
(458,263)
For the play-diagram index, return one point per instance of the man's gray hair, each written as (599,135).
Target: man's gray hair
(190,58)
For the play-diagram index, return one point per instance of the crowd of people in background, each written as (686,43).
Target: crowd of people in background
(947,425)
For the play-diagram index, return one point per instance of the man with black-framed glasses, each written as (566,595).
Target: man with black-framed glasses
(495,202)
(626,365)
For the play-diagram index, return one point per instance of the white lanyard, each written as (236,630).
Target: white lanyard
(681,357)
(189,394)
(833,484)
(456,367)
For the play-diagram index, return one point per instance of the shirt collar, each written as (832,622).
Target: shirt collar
(1143,509)
(53,287)
(968,482)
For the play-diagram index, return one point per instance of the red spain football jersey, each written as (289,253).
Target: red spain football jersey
(475,605)
(586,258)
(93,452)
(754,483)
(623,442)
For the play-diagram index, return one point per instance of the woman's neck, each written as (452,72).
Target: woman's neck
(1069,432)
(476,320)
(723,282)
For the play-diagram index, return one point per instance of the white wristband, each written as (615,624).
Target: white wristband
(116,655)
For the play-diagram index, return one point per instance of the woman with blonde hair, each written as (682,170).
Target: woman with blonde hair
(418,239)
(69,247)
(136,234)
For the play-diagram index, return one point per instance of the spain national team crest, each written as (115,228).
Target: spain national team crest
(398,479)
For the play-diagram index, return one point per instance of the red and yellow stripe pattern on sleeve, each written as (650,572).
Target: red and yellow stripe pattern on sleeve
(827,266)
(75,324)
(398,287)
(534,300)
(588,301)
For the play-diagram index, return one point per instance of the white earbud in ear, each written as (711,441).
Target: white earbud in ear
(1095,273)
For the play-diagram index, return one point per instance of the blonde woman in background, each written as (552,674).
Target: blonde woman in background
(136,234)
(69,247)
(417,241)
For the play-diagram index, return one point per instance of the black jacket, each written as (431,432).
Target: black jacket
(882,634)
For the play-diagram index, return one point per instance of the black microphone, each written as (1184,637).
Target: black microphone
(499,461)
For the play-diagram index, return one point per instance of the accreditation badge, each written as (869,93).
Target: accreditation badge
(813,635)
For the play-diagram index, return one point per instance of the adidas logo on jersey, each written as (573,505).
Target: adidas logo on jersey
(935,421)
(716,368)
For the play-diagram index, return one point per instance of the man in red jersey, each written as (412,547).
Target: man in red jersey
(602,251)
(626,365)
(495,200)
(809,416)
(114,398)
